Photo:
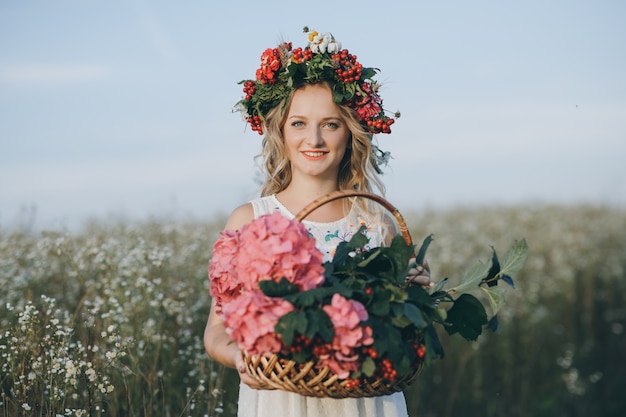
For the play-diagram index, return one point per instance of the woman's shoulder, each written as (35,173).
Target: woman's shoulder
(267,205)
(247,212)
(239,216)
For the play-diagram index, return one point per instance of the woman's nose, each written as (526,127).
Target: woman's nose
(314,137)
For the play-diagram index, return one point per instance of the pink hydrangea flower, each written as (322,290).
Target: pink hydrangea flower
(346,316)
(268,248)
(223,287)
(273,247)
(250,320)
(339,364)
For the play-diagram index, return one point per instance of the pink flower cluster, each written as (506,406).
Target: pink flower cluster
(346,316)
(368,106)
(250,320)
(271,247)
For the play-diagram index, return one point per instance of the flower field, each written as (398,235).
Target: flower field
(109,321)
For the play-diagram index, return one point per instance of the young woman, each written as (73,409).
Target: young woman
(318,119)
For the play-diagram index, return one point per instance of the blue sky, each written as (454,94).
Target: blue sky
(122,109)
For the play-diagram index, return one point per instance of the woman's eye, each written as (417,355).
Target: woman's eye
(297,124)
(332,125)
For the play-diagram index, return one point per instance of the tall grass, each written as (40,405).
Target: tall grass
(109,321)
(562,346)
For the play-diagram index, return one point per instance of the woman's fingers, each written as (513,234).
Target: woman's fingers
(247,379)
(418,275)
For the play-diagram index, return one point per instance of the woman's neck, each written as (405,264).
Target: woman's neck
(298,194)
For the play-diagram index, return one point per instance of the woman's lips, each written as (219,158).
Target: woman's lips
(314,154)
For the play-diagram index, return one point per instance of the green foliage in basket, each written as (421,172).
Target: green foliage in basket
(400,317)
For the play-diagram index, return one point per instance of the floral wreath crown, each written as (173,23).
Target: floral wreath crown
(284,68)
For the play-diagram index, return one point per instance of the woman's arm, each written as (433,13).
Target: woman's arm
(219,346)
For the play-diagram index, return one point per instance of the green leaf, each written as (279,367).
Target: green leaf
(372,256)
(472,278)
(494,270)
(403,360)
(318,323)
(494,324)
(419,296)
(368,73)
(443,313)
(439,285)
(400,321)
(344,249)
(495,296)
(508,280)
(385,336)
(514,259)
(421,254)
(414,314)
(290,324)
(368,367)
(310,297)
(467,317)
(277,289)
(302,356)
(380,307)
(434,349)
(387,263)
(400,253)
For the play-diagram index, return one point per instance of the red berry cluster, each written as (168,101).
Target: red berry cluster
(349,69)
(371,352)
(321,350)
(300,343)
(380,125)
(388,372)
(385,367)
(300,55)
(256,124)
(420,350)
(249,88)
(351,383)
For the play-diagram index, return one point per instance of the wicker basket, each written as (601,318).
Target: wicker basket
(305,378)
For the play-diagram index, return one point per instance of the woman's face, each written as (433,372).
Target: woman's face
(316,137)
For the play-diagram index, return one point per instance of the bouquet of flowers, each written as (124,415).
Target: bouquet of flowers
(352,318)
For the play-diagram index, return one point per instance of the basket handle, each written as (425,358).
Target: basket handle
(336,195)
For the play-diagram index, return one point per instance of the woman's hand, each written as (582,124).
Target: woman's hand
(247,379)
(418,275)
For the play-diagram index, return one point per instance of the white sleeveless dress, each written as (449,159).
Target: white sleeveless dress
(277,403)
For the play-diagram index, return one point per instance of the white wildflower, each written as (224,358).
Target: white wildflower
(241,109)
(334,46)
